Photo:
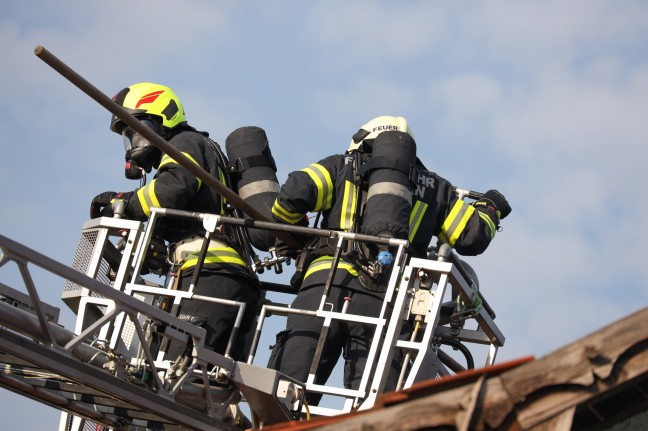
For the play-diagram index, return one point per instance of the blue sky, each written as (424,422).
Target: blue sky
(544,101)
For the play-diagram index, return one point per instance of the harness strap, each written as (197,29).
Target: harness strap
(242,164)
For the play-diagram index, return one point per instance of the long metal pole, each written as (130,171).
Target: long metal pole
(149,134)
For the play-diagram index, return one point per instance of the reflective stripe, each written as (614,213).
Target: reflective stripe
(281,213)
(191,246)
(166,159)
(215,255)
(347,214)
(147,198)
(489,223)
(326,262)
(389,188)
(322,180)
(454,225)
(416,217)
(262,186)
(223,180)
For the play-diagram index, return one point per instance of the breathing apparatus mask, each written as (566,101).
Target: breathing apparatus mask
(141,155)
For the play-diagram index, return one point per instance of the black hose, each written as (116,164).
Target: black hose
(470,363)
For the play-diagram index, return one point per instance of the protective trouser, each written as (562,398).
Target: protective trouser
(218,319)
(295,348)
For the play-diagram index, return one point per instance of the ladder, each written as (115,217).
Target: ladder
(110,370)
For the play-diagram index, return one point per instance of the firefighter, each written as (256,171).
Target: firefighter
(417,209)
(225,273)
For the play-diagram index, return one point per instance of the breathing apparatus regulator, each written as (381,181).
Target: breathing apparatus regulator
(141,156)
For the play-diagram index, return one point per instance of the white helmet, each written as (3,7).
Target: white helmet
(375,127)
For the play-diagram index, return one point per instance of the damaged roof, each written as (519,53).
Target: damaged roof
(590,384)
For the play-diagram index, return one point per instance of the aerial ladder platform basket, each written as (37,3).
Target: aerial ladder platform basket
(111,368)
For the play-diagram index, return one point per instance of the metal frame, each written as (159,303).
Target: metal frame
(34,346)
(101,365)
(404,285)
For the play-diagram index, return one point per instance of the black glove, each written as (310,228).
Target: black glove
(99,202)
(102,204)
(290,251)
(498,201)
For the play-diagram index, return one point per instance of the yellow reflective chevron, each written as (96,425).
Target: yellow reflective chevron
(484,204)
(455,223)
(166,159)
(347,214)
(326,262)
(322,179)
(489,222)
(147,198)
(285,215)
(215,255)
(416,216)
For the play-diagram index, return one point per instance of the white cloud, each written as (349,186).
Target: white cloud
(467,97)
(545,101)
(371,34)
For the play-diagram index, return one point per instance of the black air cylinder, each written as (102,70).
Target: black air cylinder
(389,200)
(254,176)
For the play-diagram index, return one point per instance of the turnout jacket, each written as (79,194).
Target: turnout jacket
(330,186)
(173,186)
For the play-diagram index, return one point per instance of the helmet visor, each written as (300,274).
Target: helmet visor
(132,139)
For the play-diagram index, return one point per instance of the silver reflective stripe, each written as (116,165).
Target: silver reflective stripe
(262,186)
(388,188)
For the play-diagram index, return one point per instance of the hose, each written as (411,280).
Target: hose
(451,363)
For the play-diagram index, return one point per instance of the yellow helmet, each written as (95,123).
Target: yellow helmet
(148,99)
(363,138)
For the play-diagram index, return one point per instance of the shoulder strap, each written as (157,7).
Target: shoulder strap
(240,165)
(358,172)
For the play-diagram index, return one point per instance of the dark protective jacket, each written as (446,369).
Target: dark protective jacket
(175,187)
(330,186)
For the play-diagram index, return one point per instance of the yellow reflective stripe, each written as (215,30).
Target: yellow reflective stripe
(454,225)
(416,217)
(281,213)
(484,204)
(326,262)
(348,206)
(147,198)
(489,223)
(215,255)
(166,159)
(221,174)
(322,180)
